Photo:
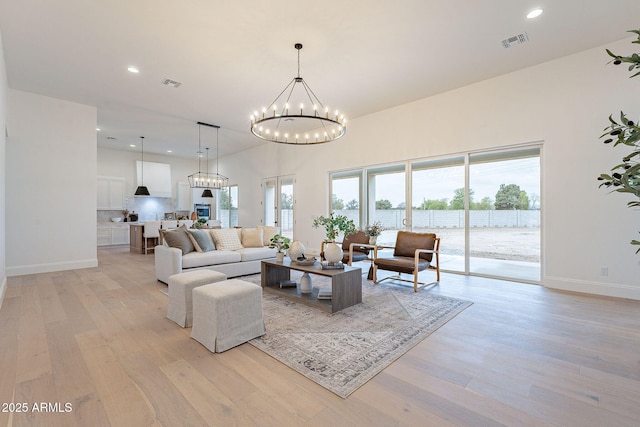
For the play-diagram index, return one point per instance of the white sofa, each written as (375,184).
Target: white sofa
(237,261)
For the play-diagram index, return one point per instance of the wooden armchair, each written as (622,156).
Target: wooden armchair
(413,252)
(352,252)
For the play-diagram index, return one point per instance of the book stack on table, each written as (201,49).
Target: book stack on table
(326,265)
(324,293)
(288,284)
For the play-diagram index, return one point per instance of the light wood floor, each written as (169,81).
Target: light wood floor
(521,355)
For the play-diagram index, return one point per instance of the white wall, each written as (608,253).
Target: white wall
(3,145)
(51,185)
(563,103)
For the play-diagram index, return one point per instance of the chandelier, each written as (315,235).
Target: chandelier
(298,118)
(207,180)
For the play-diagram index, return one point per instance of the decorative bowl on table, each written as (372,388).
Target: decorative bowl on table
(116,219)
(306,261)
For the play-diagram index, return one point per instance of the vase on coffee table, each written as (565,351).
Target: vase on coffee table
(305,283)
(333,253)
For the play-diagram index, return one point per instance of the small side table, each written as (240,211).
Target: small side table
(363,245)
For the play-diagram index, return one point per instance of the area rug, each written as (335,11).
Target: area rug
(344,350)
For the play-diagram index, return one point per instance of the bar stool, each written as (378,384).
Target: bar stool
(151,231)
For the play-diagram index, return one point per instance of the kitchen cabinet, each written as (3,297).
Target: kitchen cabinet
(183,199)
(111,191)
(104,236)
(120,234)
(112,234)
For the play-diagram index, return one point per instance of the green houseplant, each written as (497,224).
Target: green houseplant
(334,225)
(625,177)
(280,243)
(200,223)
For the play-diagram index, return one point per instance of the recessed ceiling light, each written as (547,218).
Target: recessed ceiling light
(133,70)
(98,129)
(132,145)
(169,151)
(534,13)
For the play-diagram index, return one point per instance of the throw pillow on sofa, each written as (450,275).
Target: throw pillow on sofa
(252,237)
(269,232)
(196,246)
(203,240)
(178,238)
(226,239)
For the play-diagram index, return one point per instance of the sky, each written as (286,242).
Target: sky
(440,183)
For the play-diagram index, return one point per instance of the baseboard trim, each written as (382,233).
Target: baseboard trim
(596,288)
(3,290)
(51,267)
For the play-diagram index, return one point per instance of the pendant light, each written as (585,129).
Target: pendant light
(206,180)
(142,190)
(207,191)
(218,181)
(298,117)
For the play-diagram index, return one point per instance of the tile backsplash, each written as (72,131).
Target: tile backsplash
(147,208)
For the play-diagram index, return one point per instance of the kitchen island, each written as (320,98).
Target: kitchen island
(136,238)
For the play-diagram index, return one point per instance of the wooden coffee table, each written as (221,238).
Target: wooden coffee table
(346,285)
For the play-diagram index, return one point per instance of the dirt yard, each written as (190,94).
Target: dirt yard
(508,243)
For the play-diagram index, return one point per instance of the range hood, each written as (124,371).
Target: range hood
(157,178)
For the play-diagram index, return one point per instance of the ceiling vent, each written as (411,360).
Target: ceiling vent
(515,40)
(169,82)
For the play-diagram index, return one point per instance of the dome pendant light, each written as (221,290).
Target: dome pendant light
(207,191)
(300,118)
(142,190)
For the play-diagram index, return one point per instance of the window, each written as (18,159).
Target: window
(286,206)
(387,201)
(346,195)
(504,215)
(438,205)
(485,206)
(278,202)
(228,206)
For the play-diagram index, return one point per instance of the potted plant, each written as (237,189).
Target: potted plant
(334,225)
(625,177)
(373,231)
(281,243)
(201,223)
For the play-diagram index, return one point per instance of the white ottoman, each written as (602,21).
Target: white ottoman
(181,290)
(227,314)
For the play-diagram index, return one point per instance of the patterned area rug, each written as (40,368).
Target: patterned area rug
(344,350)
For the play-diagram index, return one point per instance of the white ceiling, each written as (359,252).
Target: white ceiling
(233,57)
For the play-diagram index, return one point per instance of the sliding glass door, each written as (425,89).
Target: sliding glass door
(438,206)
(504,214)
(386,201)
(485,206)
(346,195)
